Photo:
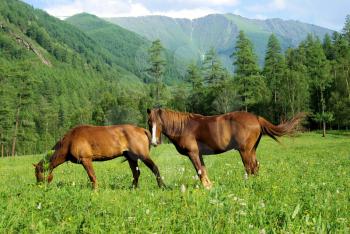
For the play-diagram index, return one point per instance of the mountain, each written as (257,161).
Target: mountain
(54,76)
(128,48)
(192,38)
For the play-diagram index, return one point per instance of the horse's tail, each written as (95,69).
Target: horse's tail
(286,128)
(149,136)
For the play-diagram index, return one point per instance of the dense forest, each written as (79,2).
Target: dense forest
(56,74)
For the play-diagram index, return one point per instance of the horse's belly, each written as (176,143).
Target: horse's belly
(207,149)
(105,158)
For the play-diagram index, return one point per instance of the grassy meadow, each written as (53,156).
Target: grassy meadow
(303,186)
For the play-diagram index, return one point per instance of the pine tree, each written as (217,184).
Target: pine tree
(194,76)
(346,28)
(328,47)
(24,99)
(157,67)
(212,68)
(179,98)
(340,94)
(226,97)
(251,85)
(295,85)
(245,62)
(274,71)
(6,114)
(198,94)
(320,78)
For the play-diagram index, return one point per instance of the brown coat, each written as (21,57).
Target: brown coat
(86,143)
(196,135)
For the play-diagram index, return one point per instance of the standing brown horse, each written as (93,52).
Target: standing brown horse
(84,144)
(196,135)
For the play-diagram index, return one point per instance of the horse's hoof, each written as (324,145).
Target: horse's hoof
(208,186)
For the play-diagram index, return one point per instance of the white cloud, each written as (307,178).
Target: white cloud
(278,4)
(108,8)
(260,17)
(211,2)
(119,8)
(274,5)
(188,13)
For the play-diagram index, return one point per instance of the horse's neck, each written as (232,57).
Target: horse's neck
(174,129)
(56,160)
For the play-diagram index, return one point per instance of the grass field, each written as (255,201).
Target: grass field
(303,186)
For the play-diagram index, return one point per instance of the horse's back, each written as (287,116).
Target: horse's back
(220,133)
(105,142)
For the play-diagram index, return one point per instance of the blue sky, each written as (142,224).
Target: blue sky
(327,13)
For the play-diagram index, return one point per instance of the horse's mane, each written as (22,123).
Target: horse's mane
(174,122)
(59,144)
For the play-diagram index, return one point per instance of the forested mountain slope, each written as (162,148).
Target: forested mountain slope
(193,38)
(128,48)
(54,76)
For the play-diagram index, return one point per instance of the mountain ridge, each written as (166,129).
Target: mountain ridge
(129,48)
(192,38)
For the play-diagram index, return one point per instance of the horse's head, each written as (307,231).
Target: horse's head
(155,125)
(40,171)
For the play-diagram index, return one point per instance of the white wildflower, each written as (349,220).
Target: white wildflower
(262,204)
(243,204)
(183,188)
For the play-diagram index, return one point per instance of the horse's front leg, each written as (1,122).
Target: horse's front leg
(87,163)
(198,164)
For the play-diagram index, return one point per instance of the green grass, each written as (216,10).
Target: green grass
(303,186)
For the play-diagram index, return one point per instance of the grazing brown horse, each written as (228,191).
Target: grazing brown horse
(196,135)
(84,144)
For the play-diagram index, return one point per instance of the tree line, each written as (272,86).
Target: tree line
(39,104)
(313,78)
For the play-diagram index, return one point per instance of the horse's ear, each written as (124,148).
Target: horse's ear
(34,165)
(148,111)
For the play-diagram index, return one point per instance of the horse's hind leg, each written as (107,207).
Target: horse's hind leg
(151,165)
(87,163)
(250,163)
(135,171)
